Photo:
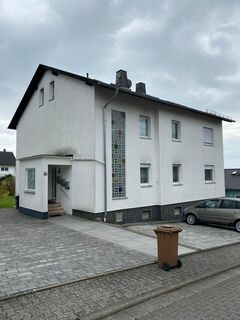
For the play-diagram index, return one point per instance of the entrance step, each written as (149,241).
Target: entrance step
(55,209)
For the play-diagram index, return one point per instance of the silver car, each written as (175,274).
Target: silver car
(225,211)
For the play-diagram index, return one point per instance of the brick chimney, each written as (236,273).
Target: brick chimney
(122,79)
(141,87)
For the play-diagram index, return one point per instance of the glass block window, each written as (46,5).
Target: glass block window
(118,155)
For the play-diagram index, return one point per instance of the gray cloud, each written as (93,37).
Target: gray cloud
(186,51)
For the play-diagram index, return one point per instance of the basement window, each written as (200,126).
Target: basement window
(146,214)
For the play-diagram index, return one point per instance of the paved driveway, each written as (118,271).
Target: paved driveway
(36,254)
(197,236)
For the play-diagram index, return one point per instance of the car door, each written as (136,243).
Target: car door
(227,211)
(208,211)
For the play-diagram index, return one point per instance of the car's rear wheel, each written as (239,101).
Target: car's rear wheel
(237,226)
(191,219)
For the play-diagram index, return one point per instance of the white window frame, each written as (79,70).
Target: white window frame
(208,138)
(148,135)
(51,90)
(178,123)
(209,167)
(179,182)
(146,166)
(27,188)
(41,97)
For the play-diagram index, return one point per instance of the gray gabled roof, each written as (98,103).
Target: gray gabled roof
(93,82)
(7,158)
(232,178)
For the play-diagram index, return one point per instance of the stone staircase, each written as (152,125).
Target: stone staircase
(55,208)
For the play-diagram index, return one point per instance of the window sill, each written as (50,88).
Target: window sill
(175,184)
(210,182)
(51,99)
(145,137)
(120,198)
(208,144)
(147,185)
(30,191)
(177,140)
(40,105)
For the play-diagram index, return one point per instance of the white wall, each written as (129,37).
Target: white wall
(161,152)
(61,126)
(37,200)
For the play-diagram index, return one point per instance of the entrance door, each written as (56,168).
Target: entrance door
(54,183)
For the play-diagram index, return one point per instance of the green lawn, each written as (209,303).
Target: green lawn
(7,202)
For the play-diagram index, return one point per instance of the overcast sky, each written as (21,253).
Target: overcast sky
(185,51)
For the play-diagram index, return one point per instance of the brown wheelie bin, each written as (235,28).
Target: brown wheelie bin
(167,243)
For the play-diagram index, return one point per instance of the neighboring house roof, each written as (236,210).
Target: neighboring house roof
(232,179)
(43,68)
(7,158)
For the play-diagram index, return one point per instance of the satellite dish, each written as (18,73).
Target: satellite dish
(129,83)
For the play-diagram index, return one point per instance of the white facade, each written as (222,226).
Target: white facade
(66,134)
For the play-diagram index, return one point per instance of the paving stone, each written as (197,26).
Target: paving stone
(84,297)
(36,253)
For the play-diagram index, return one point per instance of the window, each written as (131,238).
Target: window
(208,136)
(144,127)
(145,174)
(41,97)
(228,204)
(146,214)
(51,90)
(176,173)
(209,173)
(6,168)
(211,204)
(176,130)
(177,211)
(2,169)
(30,179)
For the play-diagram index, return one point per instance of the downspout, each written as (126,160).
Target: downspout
(105,150)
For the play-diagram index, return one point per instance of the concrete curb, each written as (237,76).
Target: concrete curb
(30,291)
(108,311)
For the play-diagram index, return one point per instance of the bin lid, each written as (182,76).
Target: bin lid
(167,229)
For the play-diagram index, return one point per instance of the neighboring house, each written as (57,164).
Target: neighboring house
(232,182)
(120,154)
(7,163)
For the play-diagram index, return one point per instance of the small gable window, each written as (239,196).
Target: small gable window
(41,97)
(51,90)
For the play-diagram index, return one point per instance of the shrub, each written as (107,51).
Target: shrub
(7,186)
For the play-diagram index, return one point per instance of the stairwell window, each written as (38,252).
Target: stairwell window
(51,90)
(30,179)
(41,97)
(208,138)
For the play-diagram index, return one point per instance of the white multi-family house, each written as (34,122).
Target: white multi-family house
(105,151)
(7,163)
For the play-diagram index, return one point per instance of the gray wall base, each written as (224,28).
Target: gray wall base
(34,213)
(142,214)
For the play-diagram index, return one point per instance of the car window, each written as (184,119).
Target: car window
(212,204)
(201,205)
(228,204)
